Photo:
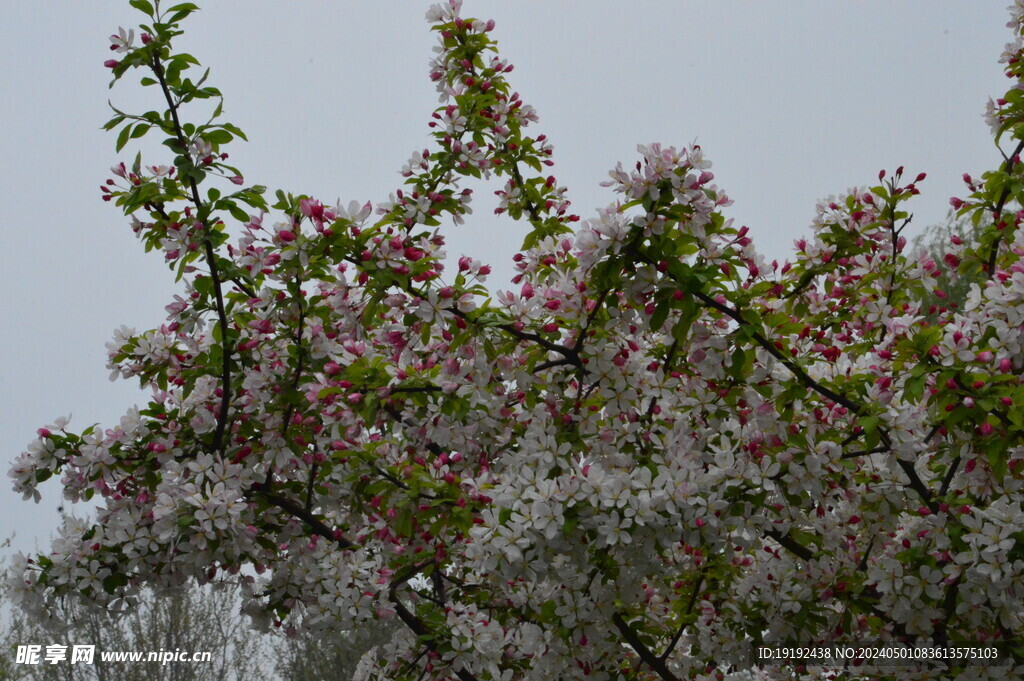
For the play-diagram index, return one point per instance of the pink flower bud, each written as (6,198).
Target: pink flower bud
(111,63)
(286,235)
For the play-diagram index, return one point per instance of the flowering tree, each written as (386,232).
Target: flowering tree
(191,620)
(656,451)
(937,241)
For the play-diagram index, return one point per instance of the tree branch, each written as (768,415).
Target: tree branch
(299,360)
(997,211)
(791,545)
(413,622)
(915,480)
(211,261)
(689,609)
(649,658)
(315,524)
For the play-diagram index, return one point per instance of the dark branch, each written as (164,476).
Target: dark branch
(649,658)
(414,623)
(211,260)
(689,609)
(315,524)
(791,545)
(997,211)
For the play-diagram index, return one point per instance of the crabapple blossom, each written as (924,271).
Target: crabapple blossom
(652,452)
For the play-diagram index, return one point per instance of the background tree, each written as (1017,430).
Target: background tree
(940,243)
(657,452)
(330,655)
(187,619)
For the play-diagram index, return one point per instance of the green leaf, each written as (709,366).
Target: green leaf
(203,285)
(238,214)
(113,122)
(172,74)
(122,138)
(143,6)
(660,315)
(738,364)
(218,136)
(870,426)
(178,16)
(183,7)
(111,583)
(915,385)
(234,130)
(403,526)
(995,452)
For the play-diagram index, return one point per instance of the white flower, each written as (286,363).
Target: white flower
(122,42)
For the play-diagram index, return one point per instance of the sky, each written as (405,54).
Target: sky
(792,101)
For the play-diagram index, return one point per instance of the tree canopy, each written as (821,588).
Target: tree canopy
(655,453)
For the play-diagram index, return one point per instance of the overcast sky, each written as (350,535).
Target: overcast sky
(792,101)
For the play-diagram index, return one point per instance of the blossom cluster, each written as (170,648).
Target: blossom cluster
(652,452)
